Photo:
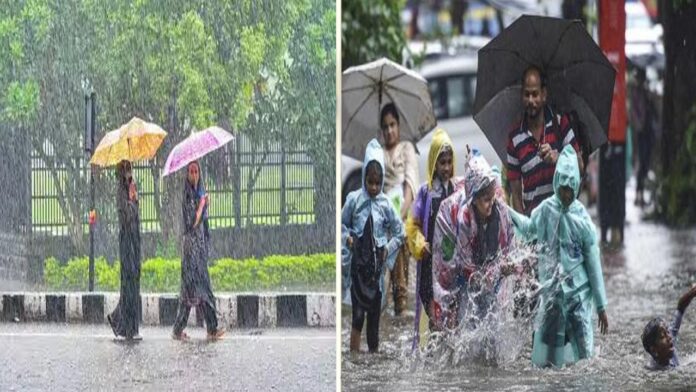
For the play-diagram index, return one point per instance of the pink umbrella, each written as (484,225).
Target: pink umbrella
(196,146)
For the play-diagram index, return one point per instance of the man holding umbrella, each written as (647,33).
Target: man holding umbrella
(533,146)
(555,67)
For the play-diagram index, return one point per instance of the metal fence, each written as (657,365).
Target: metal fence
(249,184)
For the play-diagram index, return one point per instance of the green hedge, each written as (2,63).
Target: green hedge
(164,275)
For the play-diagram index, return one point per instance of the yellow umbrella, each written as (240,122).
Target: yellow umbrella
(136,140)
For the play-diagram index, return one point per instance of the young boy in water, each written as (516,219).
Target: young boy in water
(659,339)
(372,234)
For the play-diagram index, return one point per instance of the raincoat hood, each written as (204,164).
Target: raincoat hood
(373,152)
(478,176)
(567,171)
(441,140)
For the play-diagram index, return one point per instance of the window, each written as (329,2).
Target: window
(460,95)
(438,96)
(453,95)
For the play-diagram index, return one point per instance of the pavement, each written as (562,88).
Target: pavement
(83,357)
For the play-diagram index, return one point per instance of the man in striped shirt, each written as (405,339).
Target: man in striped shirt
(534,145)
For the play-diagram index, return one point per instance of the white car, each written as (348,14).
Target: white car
(452,82)
(642,36)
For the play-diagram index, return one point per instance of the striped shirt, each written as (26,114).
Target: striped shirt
(523,159)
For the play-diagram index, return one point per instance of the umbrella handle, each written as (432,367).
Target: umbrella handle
(380,87)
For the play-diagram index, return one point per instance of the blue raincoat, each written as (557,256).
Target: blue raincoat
(388,229)
(569,268)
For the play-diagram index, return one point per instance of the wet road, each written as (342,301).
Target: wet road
(42,357)
(643,279)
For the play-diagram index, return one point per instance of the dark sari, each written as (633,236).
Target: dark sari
(196,289)
(125,319)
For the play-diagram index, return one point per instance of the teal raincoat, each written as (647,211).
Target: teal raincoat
(569,268)
(388,228)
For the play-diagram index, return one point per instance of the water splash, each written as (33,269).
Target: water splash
(495,317)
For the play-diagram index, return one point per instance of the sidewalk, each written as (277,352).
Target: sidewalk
(239,310)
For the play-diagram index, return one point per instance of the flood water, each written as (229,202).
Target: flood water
(644,279)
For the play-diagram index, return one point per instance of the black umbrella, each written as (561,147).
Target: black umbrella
(579,77)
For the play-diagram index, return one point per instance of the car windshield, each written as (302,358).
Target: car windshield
(453,95)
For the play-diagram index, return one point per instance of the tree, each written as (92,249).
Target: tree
(252,66)
(42,96)
(313,48)
(679,112)
(371,29)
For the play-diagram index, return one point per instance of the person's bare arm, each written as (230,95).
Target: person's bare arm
(408,200)
(516,194)
(199,211)
(685,299)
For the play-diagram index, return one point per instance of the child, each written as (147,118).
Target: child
(473,233)
(367,222)
(658,339)
(569,270)
(421,221)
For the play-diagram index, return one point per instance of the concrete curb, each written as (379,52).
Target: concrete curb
(242,310)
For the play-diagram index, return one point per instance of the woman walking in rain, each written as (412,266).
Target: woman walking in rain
(196,289)
(400,182)
(124,320)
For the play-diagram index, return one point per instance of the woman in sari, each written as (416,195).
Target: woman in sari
(196,290)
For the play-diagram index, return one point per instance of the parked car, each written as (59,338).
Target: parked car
(643,37)
(452,83)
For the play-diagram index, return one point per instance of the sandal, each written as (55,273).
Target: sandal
(216,335)
(181,336)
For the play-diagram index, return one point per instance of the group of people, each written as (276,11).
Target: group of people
(196,290)
(461,231)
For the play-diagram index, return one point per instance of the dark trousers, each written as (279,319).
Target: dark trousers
(183,314)
(645,146)
(425,291)
(373,314)
(612,185)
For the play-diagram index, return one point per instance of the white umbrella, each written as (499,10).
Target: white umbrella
(367,88)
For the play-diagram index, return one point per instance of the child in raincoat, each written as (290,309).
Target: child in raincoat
(659,339)
(371,233)
(473,234)
(419,226)
(569,269)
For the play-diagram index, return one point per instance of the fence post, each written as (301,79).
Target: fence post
(283,179)
(236,181)
(90,114)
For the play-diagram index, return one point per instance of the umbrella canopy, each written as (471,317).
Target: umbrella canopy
(195,147)
(579,77)
(134,141)
(365,91)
